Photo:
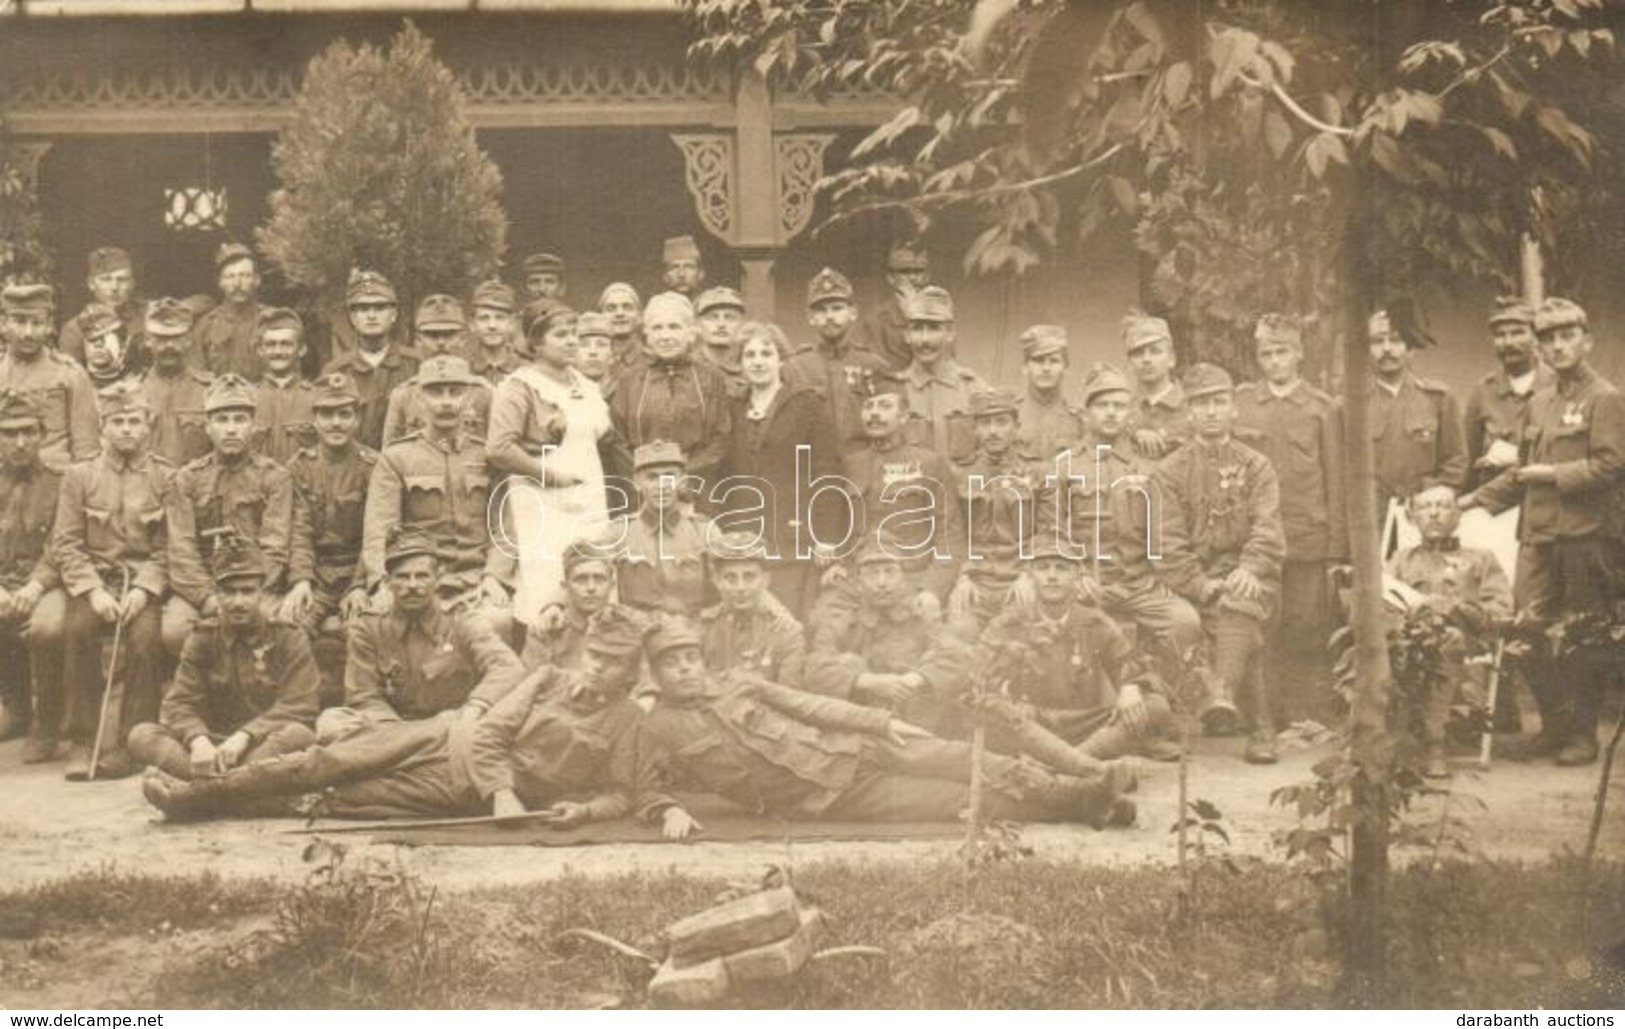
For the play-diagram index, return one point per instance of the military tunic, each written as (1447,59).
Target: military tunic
(939,398)
(284,421)
(440,486)
(663,565)
(408,413)
(1221,511)
(1416,435)
(765,640)
(330,495)
(227,338)
(70,341)
(834,374)
(889,477)
(887,332)
(848,636)
(416,667)
(375,384)
(179,424)
(1497,412)
(493,368)
(1047,425)
(1301,434)
(31,646)
(252,495)
(1167,413)
(66,399)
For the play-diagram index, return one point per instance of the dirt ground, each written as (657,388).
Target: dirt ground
(50,828)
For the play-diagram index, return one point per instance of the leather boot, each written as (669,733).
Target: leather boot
(1260,748)
(1109,741)
(249,790)
(39,748)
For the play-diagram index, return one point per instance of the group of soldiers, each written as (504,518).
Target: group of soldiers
(820,570)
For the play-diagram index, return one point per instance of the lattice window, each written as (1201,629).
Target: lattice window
(195,209)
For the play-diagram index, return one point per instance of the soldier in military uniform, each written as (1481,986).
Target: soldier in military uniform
(1498,406)
(595,347)
(720,314)
(621,304)
(681,269)
(887,476)
(567,742)
(32,604)
(440,328)
(908,270)
(558,636)
(174,387)
(416,661)
(836,362)
(661,553)
(328,586)
(1161,419)
(544,277)
(110,545)
(998,492)
(107,339)
(1416,427)
(437,482)
(1048,422)
(63,391)
(670,396)
(1569,564)
(1071,663)
(377,364)
(231,489)
(794,754)
(1299,429)
(245,688)
(1223,546)
(746,631)
(939,387)
(1101,504)
(282,398)
(1467,588)
(110,277)
(493,351)
(228,335)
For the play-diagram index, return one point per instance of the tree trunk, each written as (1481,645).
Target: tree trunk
(1368,860)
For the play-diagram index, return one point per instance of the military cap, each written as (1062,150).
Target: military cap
(403,542)
(931,304)
(585,549)
(439,311)
(1141,330)
(1042,341)
(497,296)
(879,549)
(16,406)
(987,402)
(1048,545)
(539,315)
(333,390)
(679,248)
(236,557)
(1512,309)
(737,545)
(718,296)
(828,284)
(658,452)
(615,632)
(98,320)
(1202,379)
(122,397)
(167,316)
(591,323)
(1103,378)
(231,253)
(907,256)
(874,382)
(368,287)
(29,298)
(108,259)
(1279,328)
(1558,313)
(229,392)
(444,368)
(275,318)
(536,264)
(670,633)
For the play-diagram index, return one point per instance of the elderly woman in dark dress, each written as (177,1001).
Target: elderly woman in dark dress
(782,435)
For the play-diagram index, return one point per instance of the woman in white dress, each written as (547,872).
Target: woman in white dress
(546,421)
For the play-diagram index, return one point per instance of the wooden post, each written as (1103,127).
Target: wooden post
(1532,269)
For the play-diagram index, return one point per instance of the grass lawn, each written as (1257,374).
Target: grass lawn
(1020,934)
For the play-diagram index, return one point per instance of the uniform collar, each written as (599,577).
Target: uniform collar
(1172,397)
(946,373)
(429,622)
(135,463)
(1445,546)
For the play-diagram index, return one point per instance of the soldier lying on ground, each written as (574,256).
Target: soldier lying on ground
(245,688)
(796,755)
(563,741)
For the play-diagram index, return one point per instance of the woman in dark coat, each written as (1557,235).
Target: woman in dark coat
(772,421)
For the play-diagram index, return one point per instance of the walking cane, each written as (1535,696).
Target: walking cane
(1488,740)
(107,689)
